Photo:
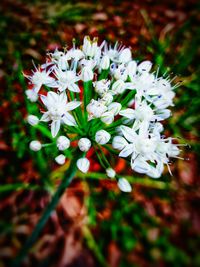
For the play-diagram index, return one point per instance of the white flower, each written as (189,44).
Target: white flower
(67,80)
(102,137)
(96,108)
(118,87)
(62,142)
(87,74)
(104,63)
(35,145)
(32,120)
(110,173)
(125,56)
(84,144)
(121,73)
(90,48)
(114,108)
(107,99)
(102,86)
(39,78)
(124,185)
(119,142)
(116,53)
(60,159)
(107,117)
(58,111)
(75,54)
(31,95)
(83,164)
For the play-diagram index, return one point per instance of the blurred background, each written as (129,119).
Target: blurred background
(95,224)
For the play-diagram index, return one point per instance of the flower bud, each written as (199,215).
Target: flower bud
(32,120)
(110,173)
(107,117)
(125,56)
(87,74)
(102,137)
(119,142)
(96,108)
(105,62)
(63,142)
(83,164)
(124,185)
(114,107)
(107,99)
(90,48)
(102,86)
(84,144)
(35,145)
(60,159)
(118,87)
(31,95)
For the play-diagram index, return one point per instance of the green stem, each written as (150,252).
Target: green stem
(47,212)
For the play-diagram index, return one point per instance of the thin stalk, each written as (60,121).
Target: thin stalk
(47,213)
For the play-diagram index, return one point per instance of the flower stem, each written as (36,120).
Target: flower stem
(47,212)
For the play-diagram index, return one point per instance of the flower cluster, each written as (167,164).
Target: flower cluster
(99,97)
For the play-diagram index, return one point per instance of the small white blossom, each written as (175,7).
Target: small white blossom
(90,48)
(87,74)
(124,185)
(83,164)
(84,144)
(107,99)
(102,86)
(107,117)
(104,63)
(96,108)
(58,111)
(102,137)
(63,142)
(31,95)
(67,80)
(32,120)
(60,159)
(118,87)
(110,173)
(35,145)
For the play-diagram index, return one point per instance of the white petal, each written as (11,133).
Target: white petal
(69,119)
(124,185)
(52,98)
(83,165)
(45,117)
(74,88)
(44,100)
(63,97)
(128,133)
(128,150)
(145,66)
(55,127)
(73,104)
(60,159)
(128,113)
(140,165)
